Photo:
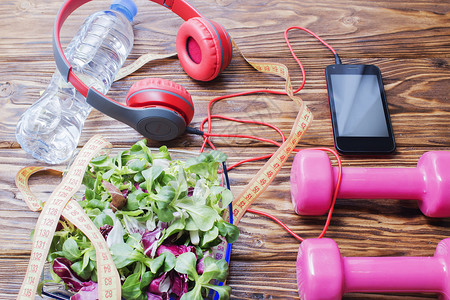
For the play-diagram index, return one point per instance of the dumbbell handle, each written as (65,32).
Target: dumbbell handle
(313,180)
(393,274)
(323,273)
(380,183)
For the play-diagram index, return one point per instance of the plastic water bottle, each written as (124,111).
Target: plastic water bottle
(50,129)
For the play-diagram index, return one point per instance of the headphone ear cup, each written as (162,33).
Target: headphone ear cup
(204,48)
(168,107)
(163,93)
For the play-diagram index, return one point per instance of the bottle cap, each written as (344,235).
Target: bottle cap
(126,7)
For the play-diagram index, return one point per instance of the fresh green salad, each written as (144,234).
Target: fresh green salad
(160,219)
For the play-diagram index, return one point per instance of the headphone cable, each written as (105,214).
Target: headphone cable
(207,134)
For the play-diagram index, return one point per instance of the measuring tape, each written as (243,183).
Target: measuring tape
(61,203)
(140,62)
(267,173)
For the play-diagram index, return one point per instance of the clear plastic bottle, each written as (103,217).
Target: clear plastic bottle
(50,129)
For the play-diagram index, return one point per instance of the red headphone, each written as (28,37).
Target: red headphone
(158,108)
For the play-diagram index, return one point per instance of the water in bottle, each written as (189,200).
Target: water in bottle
(50,129)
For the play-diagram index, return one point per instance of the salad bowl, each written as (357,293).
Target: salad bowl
(161,215)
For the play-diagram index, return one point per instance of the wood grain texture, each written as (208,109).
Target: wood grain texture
(409,42)
(253,280)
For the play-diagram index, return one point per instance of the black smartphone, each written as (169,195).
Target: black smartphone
(359,111)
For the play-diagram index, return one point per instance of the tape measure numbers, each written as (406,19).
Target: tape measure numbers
(58,204)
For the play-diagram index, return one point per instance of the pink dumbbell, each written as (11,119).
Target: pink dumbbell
(313,182)
(323,274)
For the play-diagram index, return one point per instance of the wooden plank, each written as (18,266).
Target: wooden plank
(368,29)
(366,224)
(412,95)
(248,280)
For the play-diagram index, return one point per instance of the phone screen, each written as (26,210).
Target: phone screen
(359,110)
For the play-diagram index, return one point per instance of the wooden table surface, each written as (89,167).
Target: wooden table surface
(408,40)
